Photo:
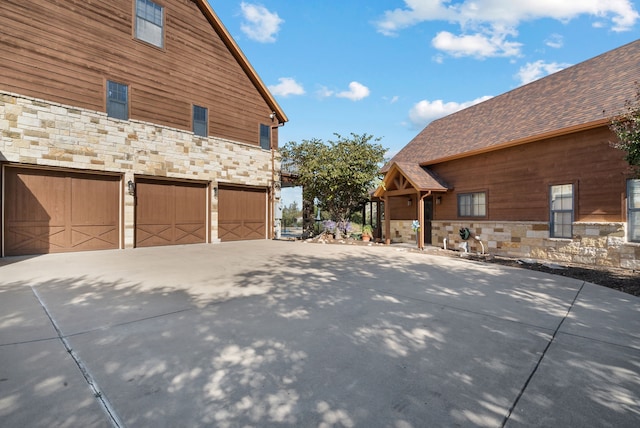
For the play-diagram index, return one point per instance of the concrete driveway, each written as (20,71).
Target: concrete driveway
(291,334)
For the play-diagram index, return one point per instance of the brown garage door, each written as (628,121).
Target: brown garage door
(54,211)
(170,213)
(242,214)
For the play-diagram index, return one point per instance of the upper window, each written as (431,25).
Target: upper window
(150,22)
(200,121)
(117,100)
(265,137)
(561,211)
(472,204)
(633,210)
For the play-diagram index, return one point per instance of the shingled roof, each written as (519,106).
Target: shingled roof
(580,97)
(418,178)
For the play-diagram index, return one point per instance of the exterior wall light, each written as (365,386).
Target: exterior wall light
(131,187)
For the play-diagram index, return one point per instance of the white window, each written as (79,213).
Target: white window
(633,210)
(561,211)
(150,22)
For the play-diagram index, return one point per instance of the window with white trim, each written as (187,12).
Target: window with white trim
(472,204)
(150,22)
(561,215)
(633,210)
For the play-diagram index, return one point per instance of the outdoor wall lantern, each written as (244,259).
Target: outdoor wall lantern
(409,202)
(215,192)
(438,200)
(131,187)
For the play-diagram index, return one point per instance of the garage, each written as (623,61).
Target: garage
(49,211)
(170,212)
(242,213)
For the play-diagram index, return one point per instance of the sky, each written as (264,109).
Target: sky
(388,68)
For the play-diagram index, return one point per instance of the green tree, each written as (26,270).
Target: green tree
(627,128)
(339,173)
(291,214)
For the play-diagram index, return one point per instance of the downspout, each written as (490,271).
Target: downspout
(421,219)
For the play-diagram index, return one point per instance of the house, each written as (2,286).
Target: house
(531,173)
(130,123)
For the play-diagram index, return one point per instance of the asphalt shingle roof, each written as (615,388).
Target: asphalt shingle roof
(589,93)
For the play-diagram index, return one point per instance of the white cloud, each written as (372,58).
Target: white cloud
(535,70)
(486,25)
(260,24)
(287,86)
(324,92)
(426,111)
(555,41)
(356,92)
(477,45)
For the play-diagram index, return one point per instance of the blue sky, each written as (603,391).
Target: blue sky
(389,67)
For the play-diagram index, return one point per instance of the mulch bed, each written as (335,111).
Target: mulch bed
(625,280)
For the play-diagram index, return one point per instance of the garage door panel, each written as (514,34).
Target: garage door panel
(190,205)
(89,195)
(153,203)
(189,233)
(242,214)
(154,235)
(86,237)
(34,197)
(170,213)
(57,211)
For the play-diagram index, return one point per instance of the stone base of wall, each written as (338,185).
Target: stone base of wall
(596,244)
(38,132)
(401,231)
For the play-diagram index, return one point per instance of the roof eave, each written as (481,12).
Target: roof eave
(215,21)
(521,141)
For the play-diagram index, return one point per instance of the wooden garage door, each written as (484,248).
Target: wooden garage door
(53,211)
(242,214)
(170,213)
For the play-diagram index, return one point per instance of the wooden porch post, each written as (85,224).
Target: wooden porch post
(387,221)
(420,232)
(421,217)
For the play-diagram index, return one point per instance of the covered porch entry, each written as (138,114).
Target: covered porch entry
(410,193)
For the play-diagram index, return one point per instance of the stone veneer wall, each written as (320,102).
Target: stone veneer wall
(401,231)
(599,244)
(38,132)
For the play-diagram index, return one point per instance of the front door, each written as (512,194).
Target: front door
(428,216)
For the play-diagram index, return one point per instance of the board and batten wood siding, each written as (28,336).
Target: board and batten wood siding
(517,179)
(65,51)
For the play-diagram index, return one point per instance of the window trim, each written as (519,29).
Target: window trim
(631,210)
(109,100)
(473,194)
(552,211)
(204,123)
(162,26)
